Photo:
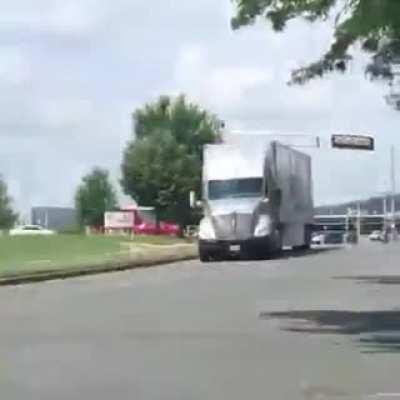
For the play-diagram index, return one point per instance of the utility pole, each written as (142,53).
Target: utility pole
(358,220)
(385,213)
(348,215)
(384,207)
(393,197)
(393,180)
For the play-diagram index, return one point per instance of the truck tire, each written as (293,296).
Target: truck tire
(204,256)
(277,251)
(259,254)
(307,237)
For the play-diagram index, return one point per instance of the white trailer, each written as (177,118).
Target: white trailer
(256,199)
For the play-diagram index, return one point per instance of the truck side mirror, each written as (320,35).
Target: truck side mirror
(192,199)
(193,202)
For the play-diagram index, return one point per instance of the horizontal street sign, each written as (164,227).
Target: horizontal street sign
(355,142)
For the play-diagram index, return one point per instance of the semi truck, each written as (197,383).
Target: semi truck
(256,199)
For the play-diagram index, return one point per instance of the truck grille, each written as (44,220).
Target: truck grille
(233,226)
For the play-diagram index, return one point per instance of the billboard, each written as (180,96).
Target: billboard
(355,142)
(119,220)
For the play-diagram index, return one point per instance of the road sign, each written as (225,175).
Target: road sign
(119,220)
(354,142)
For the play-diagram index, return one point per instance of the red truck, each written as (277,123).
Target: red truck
(145,222)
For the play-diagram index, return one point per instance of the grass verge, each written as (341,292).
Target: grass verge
(35,254)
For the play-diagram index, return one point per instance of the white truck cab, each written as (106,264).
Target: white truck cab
(256,199)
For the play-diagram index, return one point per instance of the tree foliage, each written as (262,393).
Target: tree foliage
(7,216)
(188,124)
(162,163)
(374,24)
(94,197)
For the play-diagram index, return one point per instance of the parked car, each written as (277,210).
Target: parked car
(168,228)
(144,222)
(328,238)
(376,236)
(30,230)
(318,239)
(164,228)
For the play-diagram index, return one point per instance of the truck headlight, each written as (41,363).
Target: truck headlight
(263,227)
(206,230)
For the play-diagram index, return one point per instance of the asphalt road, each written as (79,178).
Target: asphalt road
(322,325)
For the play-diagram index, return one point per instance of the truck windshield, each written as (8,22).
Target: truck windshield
(234,188)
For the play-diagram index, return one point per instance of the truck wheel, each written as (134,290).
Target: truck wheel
(279,245)
(204,256)
(303,247)
(259,254)
(307,237)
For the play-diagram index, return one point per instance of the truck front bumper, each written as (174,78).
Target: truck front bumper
(231,248)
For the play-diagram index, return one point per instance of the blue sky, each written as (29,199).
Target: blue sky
(71,73)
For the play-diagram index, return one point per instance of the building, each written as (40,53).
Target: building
(55,218)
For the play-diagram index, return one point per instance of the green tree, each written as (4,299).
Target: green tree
(186,122)
(373,24)
(162,163)
(7,216)
(94,197)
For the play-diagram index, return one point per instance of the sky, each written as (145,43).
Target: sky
(72,73)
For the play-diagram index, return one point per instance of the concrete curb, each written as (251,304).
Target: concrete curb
(167,256)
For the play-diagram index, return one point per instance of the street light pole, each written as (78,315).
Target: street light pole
(393,180)
(384,208)
(393,194)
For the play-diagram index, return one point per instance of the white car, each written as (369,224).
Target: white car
(318,239)
(376,236)
(30,230)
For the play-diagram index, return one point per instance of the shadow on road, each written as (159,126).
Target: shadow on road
(292,253)
(376,331)
(375,279)
(285,254)
(384,343)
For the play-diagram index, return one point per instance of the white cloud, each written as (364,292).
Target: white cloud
(230,84)
(14,67)
(75,17)
(221,86)
(191,64)
(57,114)
(72,72)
